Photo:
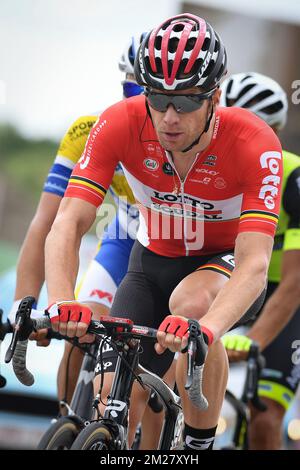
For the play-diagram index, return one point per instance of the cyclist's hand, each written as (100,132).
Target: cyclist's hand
(69,318)
(40,337)
(237,347)
(172,334)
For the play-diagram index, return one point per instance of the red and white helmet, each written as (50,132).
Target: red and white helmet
(181,53)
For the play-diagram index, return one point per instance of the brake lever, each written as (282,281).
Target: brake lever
(23,326)
(196,350)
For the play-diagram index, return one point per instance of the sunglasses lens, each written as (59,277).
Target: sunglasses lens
(158,101)
(131,89)
(181,103)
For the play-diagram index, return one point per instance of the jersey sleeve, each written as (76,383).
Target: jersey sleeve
(105,147)
(68,154)
(291,205)
(260,166)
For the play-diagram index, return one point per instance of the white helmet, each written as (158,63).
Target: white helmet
(126,61)
(258,93)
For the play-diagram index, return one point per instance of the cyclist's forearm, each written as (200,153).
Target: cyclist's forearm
(62,261)
(276,314)
(236,297)
(30,268)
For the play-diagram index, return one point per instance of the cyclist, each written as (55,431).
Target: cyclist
(195,170)
(110,263)
(280,313)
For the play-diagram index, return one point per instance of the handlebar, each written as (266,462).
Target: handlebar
(110,326)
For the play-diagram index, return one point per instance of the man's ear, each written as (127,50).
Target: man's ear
(216,97)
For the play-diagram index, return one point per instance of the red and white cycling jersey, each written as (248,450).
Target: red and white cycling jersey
(233,186)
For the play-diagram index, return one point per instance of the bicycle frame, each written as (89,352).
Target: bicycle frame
(83,396)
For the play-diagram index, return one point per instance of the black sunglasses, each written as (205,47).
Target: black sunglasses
(182,103)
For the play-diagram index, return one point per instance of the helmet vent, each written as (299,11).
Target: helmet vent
(258,98)
(190,44)
(157,43)
(273,108)
(178,27)
(206,44)
(244,91)
(246,78)
(173,43)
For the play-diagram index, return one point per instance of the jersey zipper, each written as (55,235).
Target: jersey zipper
(182,183)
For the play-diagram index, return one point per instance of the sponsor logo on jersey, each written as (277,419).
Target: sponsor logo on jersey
(229,259)
(86,156)
(210,160)
(151,148)
(151,164)
(216,128)
(184,205)
(207,171)
(167,169)
(158,150)
(220,183)
(83,128)
(269,189)
(203,181)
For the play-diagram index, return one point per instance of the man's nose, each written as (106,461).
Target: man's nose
(171,116)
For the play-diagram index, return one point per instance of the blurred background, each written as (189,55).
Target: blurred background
(59,60)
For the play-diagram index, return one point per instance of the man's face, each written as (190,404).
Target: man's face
(177,130)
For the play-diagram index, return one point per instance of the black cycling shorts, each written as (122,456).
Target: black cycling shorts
(143,296)
(281,376)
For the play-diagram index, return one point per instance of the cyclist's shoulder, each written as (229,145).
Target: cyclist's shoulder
(80,128)
(243,124)
(72,144)
(119,123)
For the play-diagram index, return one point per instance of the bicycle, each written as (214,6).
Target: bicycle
(255,364)
(109,432)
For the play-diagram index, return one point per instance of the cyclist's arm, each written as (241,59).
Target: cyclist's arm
(281,306)
(30,267)
(252,255)
(74,218)
(259,174)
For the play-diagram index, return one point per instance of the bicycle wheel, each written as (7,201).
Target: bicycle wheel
(94,437)
(62,434)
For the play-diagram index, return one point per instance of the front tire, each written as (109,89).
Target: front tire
(61,435)
(94,437)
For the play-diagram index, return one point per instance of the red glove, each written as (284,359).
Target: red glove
(179,326)
(175,325)
(69,310)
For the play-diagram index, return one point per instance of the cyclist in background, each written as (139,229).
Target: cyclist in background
(195,169)
(109,266)
(278,325)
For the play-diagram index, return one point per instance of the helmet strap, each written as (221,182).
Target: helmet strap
(197,140)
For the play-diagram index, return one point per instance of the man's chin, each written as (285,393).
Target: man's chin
(171,147)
